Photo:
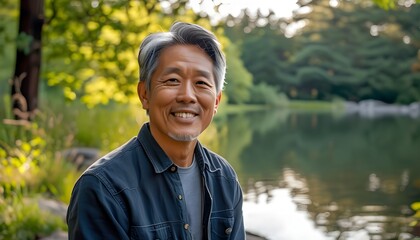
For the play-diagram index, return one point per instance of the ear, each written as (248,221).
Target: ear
(216,105)
(143,96)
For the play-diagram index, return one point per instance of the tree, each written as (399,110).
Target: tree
(239,80)
(265,50)
(28,59)
(352,50)
(357,51)
(89,47)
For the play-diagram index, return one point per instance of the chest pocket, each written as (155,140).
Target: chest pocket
(221,224)
(161,231)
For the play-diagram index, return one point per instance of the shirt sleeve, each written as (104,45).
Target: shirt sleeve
(93,212)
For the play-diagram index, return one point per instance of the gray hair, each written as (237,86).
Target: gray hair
(183,34)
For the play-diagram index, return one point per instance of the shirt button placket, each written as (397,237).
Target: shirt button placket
(173,169)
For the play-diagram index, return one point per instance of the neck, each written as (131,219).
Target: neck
(180,152)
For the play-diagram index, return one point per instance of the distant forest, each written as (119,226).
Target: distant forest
(352,51)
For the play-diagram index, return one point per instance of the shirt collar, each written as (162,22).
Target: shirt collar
(158,157)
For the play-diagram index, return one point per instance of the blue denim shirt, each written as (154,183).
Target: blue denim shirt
(135,192)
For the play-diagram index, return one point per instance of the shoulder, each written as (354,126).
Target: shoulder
(117,158)
(117,169)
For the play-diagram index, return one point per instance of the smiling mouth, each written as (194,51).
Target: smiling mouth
(184,115)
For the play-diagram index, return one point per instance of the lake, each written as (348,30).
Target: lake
(323,175)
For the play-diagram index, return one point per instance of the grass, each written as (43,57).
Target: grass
(294,105)
(228,109)
(23,219)
(32,167)
(315,105)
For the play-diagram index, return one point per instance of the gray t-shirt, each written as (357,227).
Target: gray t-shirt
(192,186)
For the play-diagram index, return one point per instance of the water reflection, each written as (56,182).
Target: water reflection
(325,176)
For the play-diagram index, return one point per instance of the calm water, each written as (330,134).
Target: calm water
(309,176)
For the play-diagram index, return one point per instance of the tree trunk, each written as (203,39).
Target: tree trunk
(28,59)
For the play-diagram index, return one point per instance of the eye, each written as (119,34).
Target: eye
(203,83)
(172,81)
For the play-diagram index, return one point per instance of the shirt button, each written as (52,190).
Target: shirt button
(186,226)
(180,197)
(228,231)
(173,169)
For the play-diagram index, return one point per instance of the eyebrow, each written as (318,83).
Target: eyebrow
(170,70)
(204,74)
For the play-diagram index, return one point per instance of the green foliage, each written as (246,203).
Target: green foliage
(97,129)
(318,54)
(334,105)
(239,80)
(8,31)
(91,47)
(266,54)
(265,94)
(385,4)
(353,51)
(388,4)
(416,207)
(22,219)
(31,165)
(31,160)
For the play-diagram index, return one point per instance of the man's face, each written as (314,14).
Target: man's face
(182,99)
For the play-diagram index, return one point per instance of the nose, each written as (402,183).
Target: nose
(186,93)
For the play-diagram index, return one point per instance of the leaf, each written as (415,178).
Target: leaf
(415,206)
(26,147)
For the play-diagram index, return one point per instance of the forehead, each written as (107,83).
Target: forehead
(185,56)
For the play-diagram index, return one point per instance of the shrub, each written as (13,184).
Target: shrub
(22,219)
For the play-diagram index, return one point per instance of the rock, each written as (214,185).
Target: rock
(82,157)
(53,206)
(58,209)
(251,236)
(58,235)
(375,108)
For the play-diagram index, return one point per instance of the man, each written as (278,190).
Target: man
(163,184)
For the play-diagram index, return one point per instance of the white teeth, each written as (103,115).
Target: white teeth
(184,115)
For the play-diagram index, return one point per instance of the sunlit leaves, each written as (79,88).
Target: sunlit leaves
(110,35)
(21,163)
(23,219)
(99,91)
(91,47)
(391,4)
(416,207)
(69,93)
